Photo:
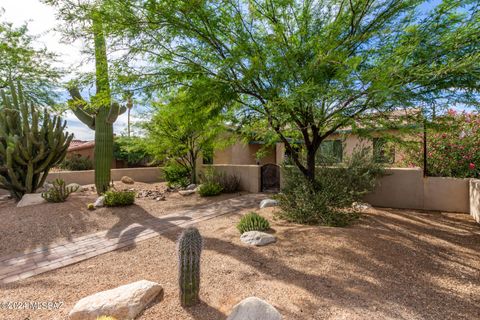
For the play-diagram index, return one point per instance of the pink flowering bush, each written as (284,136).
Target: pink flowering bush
(453,146)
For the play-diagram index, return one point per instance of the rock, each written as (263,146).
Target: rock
(191,187)
(75,186)
(162,198)
(5,197)
(127,180)
(253,308)
(268,203)
(31,199)
(124,302)
(361,206)
(100,202)
(186,192)
(257,238)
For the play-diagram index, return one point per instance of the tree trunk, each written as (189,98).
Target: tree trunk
(310,173)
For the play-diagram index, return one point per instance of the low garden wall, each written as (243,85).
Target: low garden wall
(151,174)
(249,175)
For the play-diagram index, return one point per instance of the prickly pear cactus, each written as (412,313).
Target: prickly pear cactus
(189,249)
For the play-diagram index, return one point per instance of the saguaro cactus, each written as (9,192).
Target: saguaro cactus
(101,112)
(189,247)
(30,144)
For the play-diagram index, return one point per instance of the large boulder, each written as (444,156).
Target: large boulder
(186,192)
(127,180)
(191,187)
(123,303)
(257,238)
(31,199)
(268,203)
(253,308)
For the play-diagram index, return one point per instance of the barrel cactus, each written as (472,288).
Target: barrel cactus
(100,113)
(189,249)
(31,143)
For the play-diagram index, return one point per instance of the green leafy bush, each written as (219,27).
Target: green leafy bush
(328,200)
(176,175)
(209,188)
(59,192)
(76,163)
(253,222)
(115,198)
(230,182)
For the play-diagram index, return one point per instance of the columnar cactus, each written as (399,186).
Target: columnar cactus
(31,143)
(189,248)
(101,112)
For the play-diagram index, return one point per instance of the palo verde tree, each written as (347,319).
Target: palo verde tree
(183,128)
(306,68)
(21,62)
(99,114)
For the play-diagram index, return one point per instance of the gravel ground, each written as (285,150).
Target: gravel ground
(392,264)
(23,229)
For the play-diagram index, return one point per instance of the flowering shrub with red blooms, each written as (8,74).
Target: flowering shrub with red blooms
(453,146)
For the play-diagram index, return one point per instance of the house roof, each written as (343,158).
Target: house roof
(80,145)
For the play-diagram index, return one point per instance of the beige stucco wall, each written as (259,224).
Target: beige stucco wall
(249,175)
(243,154)
(475,199)
(148,175)
(406,188)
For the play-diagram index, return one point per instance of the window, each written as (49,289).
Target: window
(330,151)
(383,152)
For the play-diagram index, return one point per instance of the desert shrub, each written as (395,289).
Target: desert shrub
(115,198)
(76,163)
(59,192)
(328,200)
(253,222)
(209,188)
(230,182)
(176,175)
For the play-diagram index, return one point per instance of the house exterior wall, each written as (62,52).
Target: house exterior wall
(475,199)
(86,153)
(243,154)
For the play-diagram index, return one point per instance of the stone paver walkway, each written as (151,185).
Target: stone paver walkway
(20,266)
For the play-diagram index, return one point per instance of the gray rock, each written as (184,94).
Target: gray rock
(127,180)
(253,308)
(124,302)
(191,187)
(257,238)
(31,199)
(268,203)
(100,202)
(361,206)
(75,186)
(5,197)
(186,192)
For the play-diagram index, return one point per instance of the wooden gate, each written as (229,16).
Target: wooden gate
(270,174)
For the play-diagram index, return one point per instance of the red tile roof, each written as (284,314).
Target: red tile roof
(80,145)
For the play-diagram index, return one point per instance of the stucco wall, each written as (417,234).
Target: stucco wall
(87,177)
(243,154)
(406,188)
(475,199)
(249,175)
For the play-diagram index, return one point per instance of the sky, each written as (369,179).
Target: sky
(41,21)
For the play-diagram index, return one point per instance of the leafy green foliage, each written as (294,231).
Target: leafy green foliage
(453,146)
(31,143)
(328,200)
(31,67)
(59,191)
(76,163)
(304,69)
(253,222)
(114,198)
(133,150)
(209,189)
(176,175)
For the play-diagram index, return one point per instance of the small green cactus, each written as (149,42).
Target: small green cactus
(59,191)
(90,206)
(189,249)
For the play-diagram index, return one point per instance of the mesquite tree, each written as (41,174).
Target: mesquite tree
(101,112)
(31,143)
(305,68)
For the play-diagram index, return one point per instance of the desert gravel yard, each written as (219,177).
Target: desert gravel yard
(392,264)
